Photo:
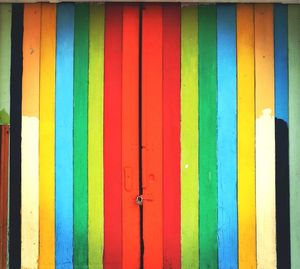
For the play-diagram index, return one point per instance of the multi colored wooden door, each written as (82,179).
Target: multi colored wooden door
(149,135)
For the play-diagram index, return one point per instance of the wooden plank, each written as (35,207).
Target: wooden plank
(80,142)
(15,136)
(47,139)
(282,136)
(130,138)
(4,188)
(95,137)
(113,136)
(226,148)
(294,129)
(5,54)
(265,137)
(64,137)
(171,136)
(207,73)
(152,166)
(189,138)
(246,136)
(30,136)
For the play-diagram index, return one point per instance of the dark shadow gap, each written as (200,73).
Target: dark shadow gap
(282,195)
(140,136)
(15,136)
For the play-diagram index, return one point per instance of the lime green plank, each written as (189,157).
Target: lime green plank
(208,137)
(189,138)
(81,58)
(95,136)
(294,130)
(5,48)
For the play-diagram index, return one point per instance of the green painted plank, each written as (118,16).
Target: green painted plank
(95,136)
(208,137)
(81,56)
(5,49)
(294,130)
(189,138)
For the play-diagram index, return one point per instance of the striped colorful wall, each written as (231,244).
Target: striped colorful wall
(193,108)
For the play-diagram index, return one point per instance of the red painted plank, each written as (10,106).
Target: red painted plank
(130,138)
(4,142)
(171,135)
(113,137)
(152,135)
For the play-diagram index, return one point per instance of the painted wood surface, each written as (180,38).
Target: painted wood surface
(130,138)
(208,191)
(113,136)
(30,137)
(245,137)
(80,142)
(5,54)
(15,136)
(189,138)
(95,138)
(171,136)
(47,138)
(152,152)
(281,136)
(226,147)
(265,137)
(4,186)
(64,137)
(294,129)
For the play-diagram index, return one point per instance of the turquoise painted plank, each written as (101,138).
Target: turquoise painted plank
(227,157)
(64,137)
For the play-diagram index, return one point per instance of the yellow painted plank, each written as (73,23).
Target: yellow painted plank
(47,139)
(95,138)
(30,137)
(246,137)
(265,137)
(189,139)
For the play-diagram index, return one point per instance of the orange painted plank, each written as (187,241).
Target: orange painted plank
(30,137)
(265,137)
(152,135)
(130,139)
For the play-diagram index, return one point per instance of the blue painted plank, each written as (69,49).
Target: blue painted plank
(281,136)
(281,61)
(64,136)
(227,157)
